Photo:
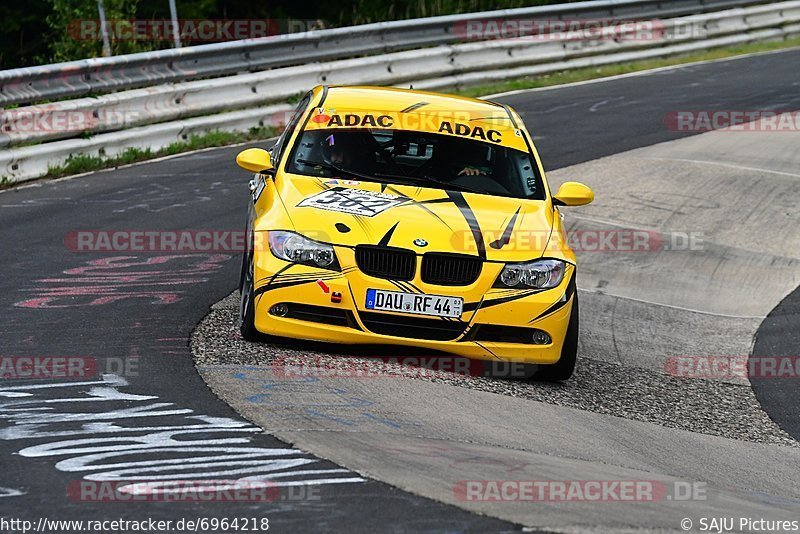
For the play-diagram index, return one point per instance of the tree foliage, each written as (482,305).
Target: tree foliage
(74,29)
(47,31)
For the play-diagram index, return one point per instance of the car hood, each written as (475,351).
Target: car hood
(349,212)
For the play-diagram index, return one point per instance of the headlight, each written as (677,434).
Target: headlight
(539,274)
(295,248)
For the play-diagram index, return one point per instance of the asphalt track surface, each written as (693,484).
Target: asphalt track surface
(138,312)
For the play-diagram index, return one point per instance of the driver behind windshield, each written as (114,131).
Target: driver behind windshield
(347,150)
(449,161)
(419,158)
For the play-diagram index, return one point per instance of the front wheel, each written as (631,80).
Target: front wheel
(563,368)
(247,304)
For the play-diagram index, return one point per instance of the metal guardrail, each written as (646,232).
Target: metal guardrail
(104,75)
(174,107)
(434,67)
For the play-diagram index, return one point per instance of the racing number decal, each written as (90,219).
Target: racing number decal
(352,201)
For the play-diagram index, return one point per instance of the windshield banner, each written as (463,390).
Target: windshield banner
(494,128)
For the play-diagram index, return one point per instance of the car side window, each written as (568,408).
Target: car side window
(277,149)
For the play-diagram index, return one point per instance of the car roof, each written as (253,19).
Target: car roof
(397,99)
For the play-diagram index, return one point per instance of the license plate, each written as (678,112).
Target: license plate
(397,301)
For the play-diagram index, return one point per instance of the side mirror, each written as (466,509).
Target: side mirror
(573,194)
(254,160)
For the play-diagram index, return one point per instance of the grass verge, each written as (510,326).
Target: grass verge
(591,73)
(85,163)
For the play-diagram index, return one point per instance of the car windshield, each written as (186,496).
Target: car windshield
(417,158)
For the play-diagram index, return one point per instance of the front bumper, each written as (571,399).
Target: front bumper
(493,324)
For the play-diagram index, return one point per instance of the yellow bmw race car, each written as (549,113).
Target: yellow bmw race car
(406,217)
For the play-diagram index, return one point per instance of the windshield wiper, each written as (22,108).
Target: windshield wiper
(335,168)
(422,180)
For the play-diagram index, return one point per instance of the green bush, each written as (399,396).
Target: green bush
(48,32)
(74,29)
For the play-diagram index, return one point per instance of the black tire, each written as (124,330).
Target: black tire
(247,305)
(563,368)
